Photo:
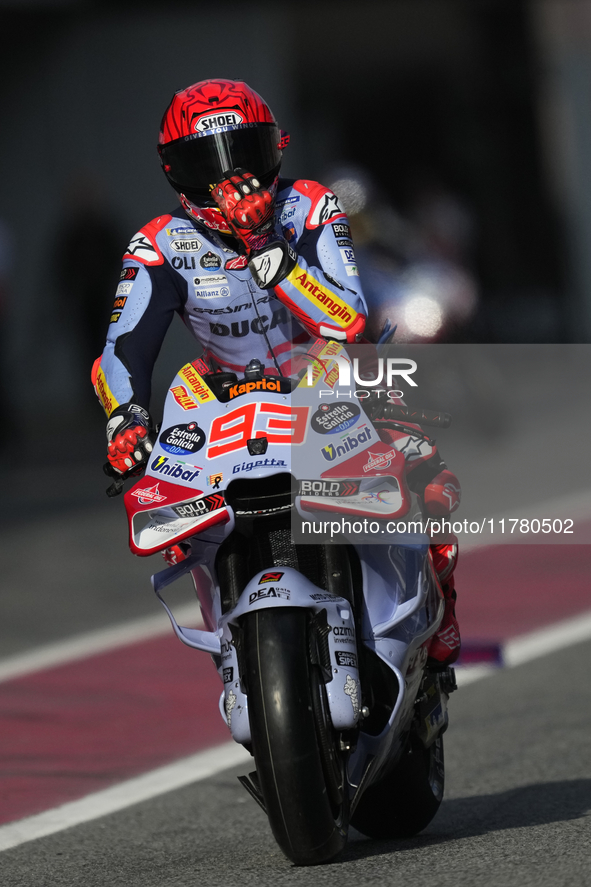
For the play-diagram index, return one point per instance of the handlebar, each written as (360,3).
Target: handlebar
(117,486)
(416,416)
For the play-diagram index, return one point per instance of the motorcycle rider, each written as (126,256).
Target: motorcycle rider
(240,231)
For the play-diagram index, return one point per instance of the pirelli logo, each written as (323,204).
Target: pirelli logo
(104,393)
(309,287)
(324,352)
(201,391)
(183,398)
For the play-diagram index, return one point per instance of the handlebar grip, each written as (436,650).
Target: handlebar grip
(119,482)
(417,416)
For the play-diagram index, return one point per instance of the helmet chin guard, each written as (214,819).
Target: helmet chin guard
(211,129)
(206,215)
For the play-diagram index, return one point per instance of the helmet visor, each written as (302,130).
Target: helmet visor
(195,163)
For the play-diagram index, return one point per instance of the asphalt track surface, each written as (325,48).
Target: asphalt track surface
(518,794)
(516,812)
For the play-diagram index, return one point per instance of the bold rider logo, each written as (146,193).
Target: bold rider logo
(200,506)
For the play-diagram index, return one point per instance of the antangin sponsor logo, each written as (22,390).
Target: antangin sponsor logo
(313,290)
(104,393)
(202,392)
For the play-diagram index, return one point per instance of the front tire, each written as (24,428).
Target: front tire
(300,770)
(405,800)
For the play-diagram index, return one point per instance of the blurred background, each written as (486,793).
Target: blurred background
(456,132)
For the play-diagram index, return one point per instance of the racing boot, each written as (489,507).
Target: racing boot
(445,643)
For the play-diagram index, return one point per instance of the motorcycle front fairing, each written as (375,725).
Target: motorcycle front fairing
(257,433)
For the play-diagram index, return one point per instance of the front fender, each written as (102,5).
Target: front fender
(285,587)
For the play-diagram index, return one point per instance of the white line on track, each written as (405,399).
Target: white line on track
(201,766)
(576,506)
(533,645)
(99,641)
(118,797)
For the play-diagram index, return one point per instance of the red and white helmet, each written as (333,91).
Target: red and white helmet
(211,129)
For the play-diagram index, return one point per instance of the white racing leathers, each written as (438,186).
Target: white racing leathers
(173,264)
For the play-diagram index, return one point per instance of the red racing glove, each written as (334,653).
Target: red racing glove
(130,437)
(249,210)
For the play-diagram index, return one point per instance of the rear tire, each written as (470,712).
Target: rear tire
(300,770)
(406,799)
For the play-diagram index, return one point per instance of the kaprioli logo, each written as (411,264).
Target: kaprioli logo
(212,121)
(185,245)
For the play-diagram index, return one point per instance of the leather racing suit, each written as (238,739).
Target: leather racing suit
(173,264)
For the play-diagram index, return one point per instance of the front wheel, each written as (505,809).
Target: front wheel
(300,769)
(404,801)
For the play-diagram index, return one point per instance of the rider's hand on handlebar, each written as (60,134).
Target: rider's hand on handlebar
(130,437)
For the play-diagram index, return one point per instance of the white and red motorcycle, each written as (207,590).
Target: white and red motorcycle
(321,642)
